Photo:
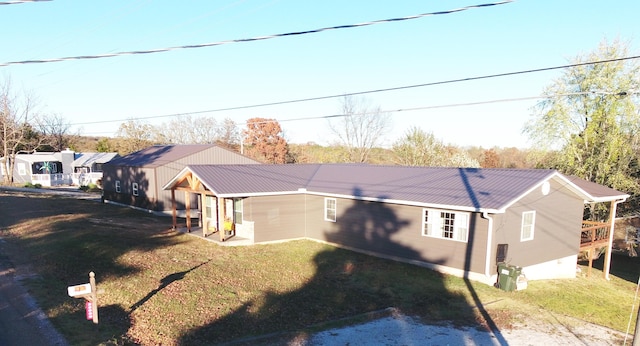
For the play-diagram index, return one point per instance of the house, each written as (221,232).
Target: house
(136,179)
(58,168)
(87,167)
(460,221)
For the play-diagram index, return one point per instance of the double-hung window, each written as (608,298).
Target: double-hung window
(445,224)
(237,210)
(528,225)
(330,209)
(118,188)
(134,188)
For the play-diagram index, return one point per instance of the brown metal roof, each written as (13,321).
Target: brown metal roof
(466,188)
(596,191)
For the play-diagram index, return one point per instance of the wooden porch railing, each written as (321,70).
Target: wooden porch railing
(593,238)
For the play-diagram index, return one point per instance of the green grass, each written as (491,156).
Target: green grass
(163,287)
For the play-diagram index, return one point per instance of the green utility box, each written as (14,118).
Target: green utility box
(508,276)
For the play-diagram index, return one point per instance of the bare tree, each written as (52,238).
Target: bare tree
(229,134)
(55,131)
(360,129)
(133,136)
(16,133)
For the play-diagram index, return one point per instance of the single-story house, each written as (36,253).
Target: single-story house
(460,221)
(87,167)
(136,179)
(58,168)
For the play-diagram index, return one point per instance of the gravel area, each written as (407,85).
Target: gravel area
(399,329)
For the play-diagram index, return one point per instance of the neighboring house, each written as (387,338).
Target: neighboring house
(87,167)
(459,221)
(57,168)
(136,179)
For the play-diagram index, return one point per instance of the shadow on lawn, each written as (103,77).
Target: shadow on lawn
(65,239)
(346,288)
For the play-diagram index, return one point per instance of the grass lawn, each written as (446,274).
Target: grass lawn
(164,287)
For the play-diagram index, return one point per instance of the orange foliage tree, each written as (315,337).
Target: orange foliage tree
(264,141)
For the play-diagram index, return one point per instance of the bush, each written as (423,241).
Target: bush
(90,188)
(33,186)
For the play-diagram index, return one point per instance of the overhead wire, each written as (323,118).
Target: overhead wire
(399,110)
(257,38)
(15,2)
(458,80)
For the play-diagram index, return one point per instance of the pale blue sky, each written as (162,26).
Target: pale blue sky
(522,35)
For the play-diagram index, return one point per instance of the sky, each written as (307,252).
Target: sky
(96,95)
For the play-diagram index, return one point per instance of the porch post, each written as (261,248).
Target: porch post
(187,205)
(174,206)
(607,260)
(220,210)
(205,221)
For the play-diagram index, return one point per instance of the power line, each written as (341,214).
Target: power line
(459,80)
(20,2)
(258,38)
(451,105)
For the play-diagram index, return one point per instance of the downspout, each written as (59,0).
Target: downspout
(607,260)
(487,266)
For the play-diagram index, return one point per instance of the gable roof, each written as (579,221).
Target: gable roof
(472,189)
(39,157)
(159,155)
(87,159)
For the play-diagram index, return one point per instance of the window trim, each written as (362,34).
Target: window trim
(118,186)
(531,227)
(327,209)
(238,210)
(460,223)
(135,189)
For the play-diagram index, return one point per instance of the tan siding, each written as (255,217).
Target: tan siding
(557,227)
(276,217)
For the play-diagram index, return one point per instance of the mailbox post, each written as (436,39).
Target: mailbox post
(90,294)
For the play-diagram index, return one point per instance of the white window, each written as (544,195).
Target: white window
(118,186)
(134,189)
(330,209)
(237,210)
(445,224)
(528,225)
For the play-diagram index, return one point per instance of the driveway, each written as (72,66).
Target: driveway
(21,320)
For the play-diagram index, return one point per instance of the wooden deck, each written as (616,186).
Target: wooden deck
(594,239)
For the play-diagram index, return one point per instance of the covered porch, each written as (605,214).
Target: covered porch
(219,218)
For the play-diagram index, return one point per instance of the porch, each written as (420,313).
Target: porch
(227,240)
(53,179)
(595,239)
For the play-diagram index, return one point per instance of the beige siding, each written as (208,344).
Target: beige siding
(276,217)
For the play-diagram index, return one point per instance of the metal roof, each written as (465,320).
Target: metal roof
(461,188)
(87,159)
(159,155)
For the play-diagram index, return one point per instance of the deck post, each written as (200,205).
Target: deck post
(607,259)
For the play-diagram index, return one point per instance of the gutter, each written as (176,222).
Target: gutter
(487,266)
